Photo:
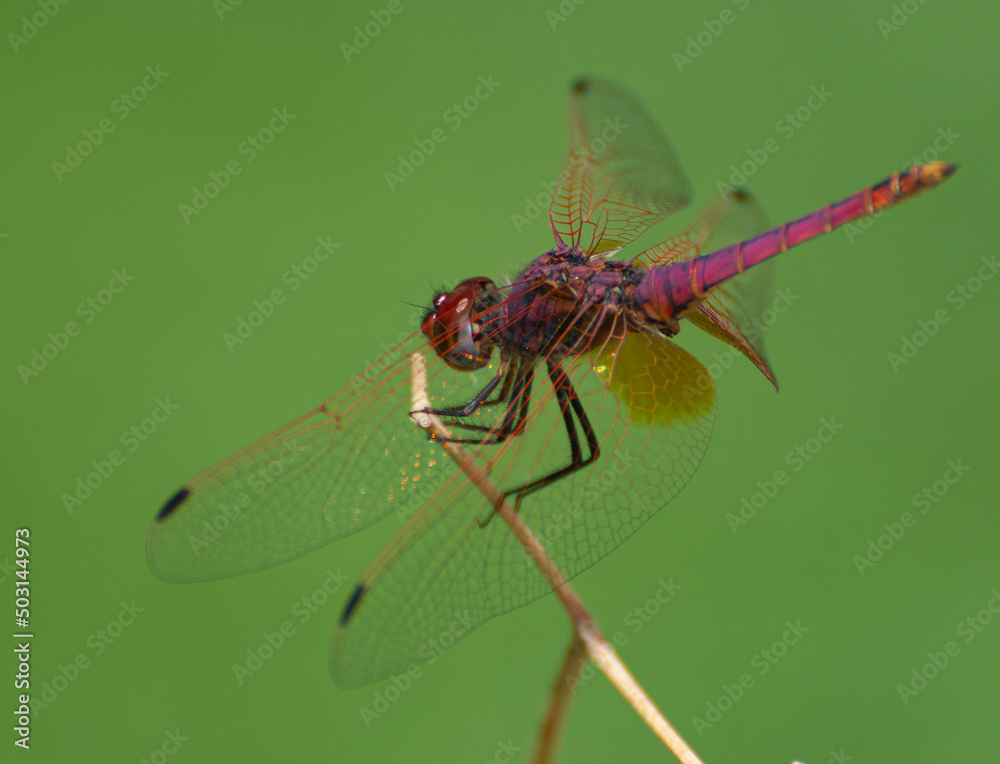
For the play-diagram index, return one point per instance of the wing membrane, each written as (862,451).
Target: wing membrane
(734,311)
(331,473)
(657,380)
(358,458)
(621,174)
(442,576)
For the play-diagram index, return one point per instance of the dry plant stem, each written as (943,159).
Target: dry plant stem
(597,647)
(554,724)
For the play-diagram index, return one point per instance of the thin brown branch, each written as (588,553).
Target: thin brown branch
(554,723)
(584,626)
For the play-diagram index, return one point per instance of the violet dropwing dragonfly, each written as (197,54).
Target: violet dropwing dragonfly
(565,384)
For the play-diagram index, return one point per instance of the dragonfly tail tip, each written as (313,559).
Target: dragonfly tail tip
(933,173)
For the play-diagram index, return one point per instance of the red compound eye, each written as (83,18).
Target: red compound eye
(449,326)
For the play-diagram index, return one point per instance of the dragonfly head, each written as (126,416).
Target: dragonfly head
(452,328)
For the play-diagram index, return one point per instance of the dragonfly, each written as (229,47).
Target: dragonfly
(565,383)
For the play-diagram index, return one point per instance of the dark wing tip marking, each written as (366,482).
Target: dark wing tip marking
(352,604)
(580,85)
(172,503)
(740,194)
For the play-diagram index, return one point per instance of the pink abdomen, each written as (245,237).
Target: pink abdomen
(669,292)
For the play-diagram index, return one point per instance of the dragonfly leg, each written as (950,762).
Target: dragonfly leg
(470,408)
(567,398)
(514,418)
(569,404)
(508,379)
(507,373)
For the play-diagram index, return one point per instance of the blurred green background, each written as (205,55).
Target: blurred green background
(159,658)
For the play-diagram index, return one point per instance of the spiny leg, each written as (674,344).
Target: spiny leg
(568,399)
(514,418)
(566,395)
(562,396)
(472,406)
(508,372)
(510,375)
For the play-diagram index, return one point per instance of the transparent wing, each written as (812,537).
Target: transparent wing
(735,311)
(443,575)
(327,475)
(621,174)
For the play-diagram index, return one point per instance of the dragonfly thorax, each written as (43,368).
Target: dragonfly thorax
(566,303)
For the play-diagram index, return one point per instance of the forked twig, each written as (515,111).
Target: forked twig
(584,627)
(562,697)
